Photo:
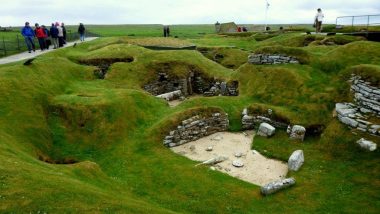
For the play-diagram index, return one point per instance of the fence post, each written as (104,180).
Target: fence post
(18,43)
(5,51)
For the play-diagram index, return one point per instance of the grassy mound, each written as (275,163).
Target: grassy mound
(355,53)
(301,55)
(72,143)
(228,57)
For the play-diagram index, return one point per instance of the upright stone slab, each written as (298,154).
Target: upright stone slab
(296,160)
(367,145)
(298,133)
(276,186)
(266,130)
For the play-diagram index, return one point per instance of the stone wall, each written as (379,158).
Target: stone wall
(252,121)
(193,84)
(164,83)
(271,59)
(367,105)
(197,127)
(367,97)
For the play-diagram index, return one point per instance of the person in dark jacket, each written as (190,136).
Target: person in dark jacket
(47,39)
(81,30)
(64,32)
(54,35)
(40,34)
(28,33)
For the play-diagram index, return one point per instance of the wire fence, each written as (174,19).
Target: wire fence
(16,43)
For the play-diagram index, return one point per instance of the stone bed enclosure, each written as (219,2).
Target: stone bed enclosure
(169,86)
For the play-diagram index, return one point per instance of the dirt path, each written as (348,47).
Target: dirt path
(25,55)
(257,169)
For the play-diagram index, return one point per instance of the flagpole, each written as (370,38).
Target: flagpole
(266,15)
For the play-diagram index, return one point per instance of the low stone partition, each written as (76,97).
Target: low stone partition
(252,121)
(271,59)
(197,127)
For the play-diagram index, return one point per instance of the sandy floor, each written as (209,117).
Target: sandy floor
(257,169)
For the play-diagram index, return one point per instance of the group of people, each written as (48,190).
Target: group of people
(55,36)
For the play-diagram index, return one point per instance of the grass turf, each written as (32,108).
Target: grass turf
(57,110)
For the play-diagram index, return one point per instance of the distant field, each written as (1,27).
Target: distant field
(14,42)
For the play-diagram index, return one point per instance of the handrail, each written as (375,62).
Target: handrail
(367,23)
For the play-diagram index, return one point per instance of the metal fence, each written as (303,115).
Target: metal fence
(12,45)
(362,23)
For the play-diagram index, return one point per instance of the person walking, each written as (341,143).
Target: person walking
(28,34)
(81,30)
(64,32)
(40,34)
(60,35)
(165,31)
(318,20)
(54,35)
(47,38)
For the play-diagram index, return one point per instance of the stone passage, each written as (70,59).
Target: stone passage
(359,115)
(197,127)
(271,59)
(194,83)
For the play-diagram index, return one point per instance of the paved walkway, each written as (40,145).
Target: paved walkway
(25,55)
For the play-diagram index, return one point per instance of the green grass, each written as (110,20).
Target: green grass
(56,110)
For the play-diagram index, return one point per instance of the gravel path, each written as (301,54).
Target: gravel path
(25,55)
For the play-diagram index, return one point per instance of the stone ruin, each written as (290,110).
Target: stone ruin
(171,87)
(271,59)
(252,121)
(367,104)
(358,115)
(197,127)
(267,125)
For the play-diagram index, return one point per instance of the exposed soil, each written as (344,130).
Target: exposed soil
(257,169)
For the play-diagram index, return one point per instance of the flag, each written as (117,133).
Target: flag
(268,5)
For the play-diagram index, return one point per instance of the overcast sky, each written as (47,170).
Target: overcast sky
(16,12)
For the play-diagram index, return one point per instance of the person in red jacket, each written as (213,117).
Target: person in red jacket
(41,35)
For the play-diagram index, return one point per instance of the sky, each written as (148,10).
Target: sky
(16,12)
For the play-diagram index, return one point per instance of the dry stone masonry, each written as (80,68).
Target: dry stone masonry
(276,186)
(252,121)
(165,84)
(367,104)
(197,127)
(271,59)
